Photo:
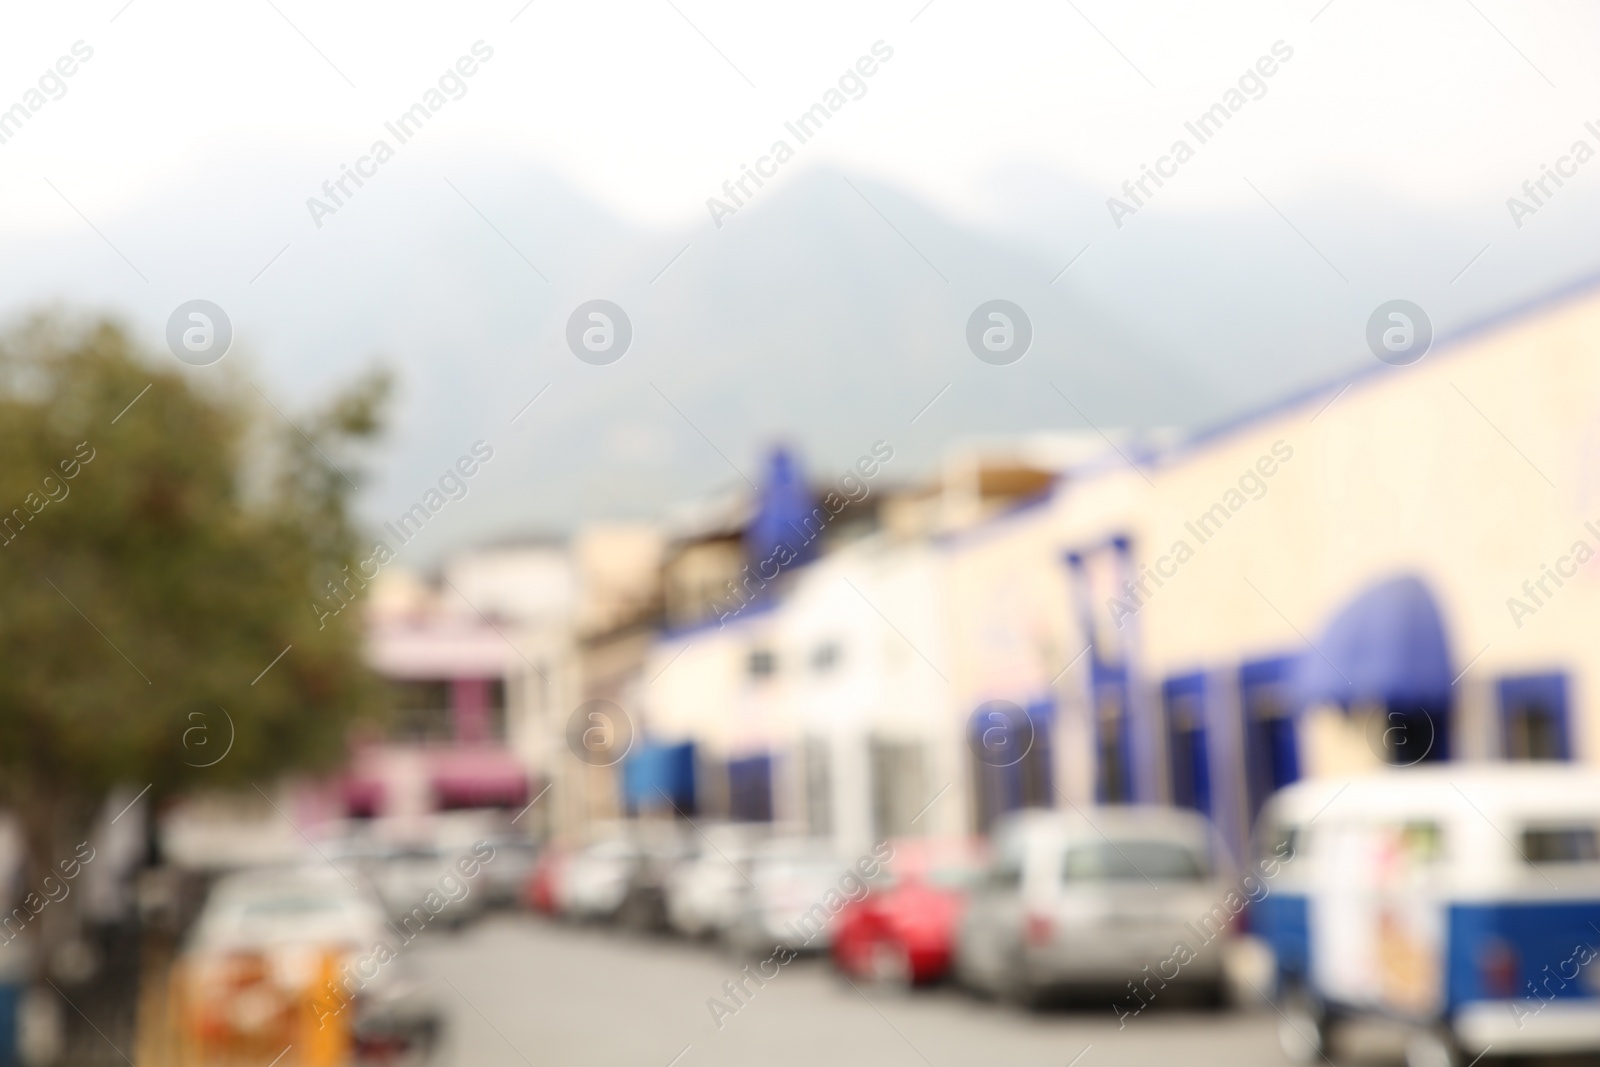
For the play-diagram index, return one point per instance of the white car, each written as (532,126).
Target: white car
(272,942)
(704,892)
(596,879)
(1098,901)
(413,877)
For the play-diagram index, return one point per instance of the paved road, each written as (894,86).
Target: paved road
(524,991)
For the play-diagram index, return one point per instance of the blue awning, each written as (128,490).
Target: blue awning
(1386,646)
(659,776)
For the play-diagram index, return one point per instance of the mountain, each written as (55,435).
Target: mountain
(828,312)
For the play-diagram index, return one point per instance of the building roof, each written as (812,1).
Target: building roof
(434,648)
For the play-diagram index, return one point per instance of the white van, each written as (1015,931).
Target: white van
(1460,899)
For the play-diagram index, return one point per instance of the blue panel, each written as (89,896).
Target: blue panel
(1183,699)
(1533,717)
(1497,950)
(1113,758)
(1266,699)
(1271,671)
(660,776)
(1011,749)
(1283,921)
(750,789)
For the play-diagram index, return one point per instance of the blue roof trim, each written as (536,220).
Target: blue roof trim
(750,611)
(954,539)
(1445,346)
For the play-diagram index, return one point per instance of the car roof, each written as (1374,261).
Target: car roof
(1122,820)
(352,912)
(1447,790)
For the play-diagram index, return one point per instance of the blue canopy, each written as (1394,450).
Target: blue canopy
(658,776)
(1386,646)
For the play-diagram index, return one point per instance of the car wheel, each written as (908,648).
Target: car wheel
(1018,989)
(1433,1047)
(889,965)
(1304,1028)
(1213,996)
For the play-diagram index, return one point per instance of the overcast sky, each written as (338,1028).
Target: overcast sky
(1375,162)
(649,106)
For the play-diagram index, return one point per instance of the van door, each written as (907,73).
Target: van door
(1377,923)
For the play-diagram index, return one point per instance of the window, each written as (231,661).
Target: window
(1184,700)
(1533,717)
(750,789)
(1131,861)
(1281,841)
(1561,844)
(1272,754)
(1422,842)
(815,760)
(763,663)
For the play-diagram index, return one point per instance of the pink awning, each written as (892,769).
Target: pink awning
(477,778)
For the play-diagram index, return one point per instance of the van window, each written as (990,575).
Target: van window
(1422,842)
(1281,841)
(1561,844)
(1124,861)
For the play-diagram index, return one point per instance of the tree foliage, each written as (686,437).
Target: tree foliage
(155,559)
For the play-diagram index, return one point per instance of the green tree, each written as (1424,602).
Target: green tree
(155,559)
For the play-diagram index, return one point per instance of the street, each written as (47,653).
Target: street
(518,990)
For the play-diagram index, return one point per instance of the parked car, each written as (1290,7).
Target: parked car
(282,957)
(409,877)
(505,875)
(1093,901)
(1462,901)
(596,879)
(902,932)
(785,901)
(663,848)
(703,893)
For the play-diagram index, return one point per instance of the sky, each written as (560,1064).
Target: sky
(578,158)
(650,106)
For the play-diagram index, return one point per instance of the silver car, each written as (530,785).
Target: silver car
(1129,901)
(793,889)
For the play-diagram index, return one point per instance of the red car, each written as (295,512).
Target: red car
(902,931)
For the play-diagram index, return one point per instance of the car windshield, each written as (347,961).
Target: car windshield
(1133,860)
(283,914)
(952,877)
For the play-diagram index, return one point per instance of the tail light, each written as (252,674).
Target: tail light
(1039,929)
(1497,966)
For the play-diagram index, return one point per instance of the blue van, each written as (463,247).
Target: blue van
(1462,900)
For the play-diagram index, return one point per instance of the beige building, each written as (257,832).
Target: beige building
(1394,569)
(1467,482)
